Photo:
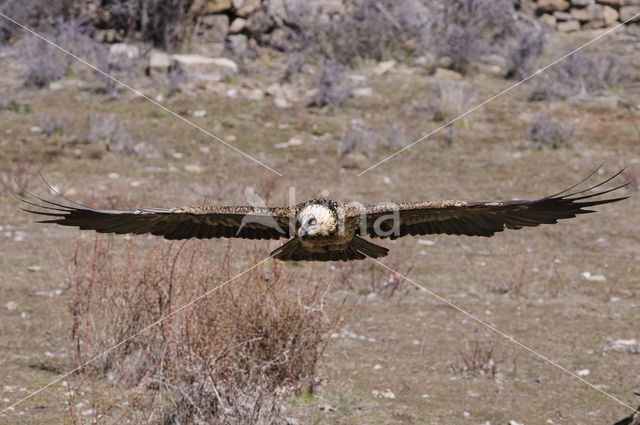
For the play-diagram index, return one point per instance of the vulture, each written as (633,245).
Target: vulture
(326,230)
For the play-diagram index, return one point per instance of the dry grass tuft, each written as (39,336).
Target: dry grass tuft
(231,357)
(477,358)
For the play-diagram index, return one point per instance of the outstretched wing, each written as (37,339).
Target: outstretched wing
(478,218)
(172,223)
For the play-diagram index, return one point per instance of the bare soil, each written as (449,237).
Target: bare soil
(528,284)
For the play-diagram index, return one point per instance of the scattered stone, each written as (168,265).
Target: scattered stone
(34,268)
(589,13)
(631,346)
(594,24)
(294,141)
(113,176)
(581,3)
(248,7)
(124,49)
(628,12)
(568,26)
(610,15)
(384,393)
(583,372)
(159,62)
(193,168)
(549,19)
(281,102)
(213,28)
(562,16)
(237,25)
(202,69)
(50,294)
(199,113)
(237,43)
(377,366)
(453,75)
(11,305)
(426,242)
(326,407)
(552,5)
(35,130)
(363,92)
(593,278)
(384,67)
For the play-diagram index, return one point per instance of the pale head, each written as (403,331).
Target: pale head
(317,220)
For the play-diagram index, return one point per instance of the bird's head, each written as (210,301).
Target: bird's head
(317,220)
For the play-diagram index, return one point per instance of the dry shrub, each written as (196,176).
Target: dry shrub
(332,86)
(476,359)
(450,100)
(582,73)
(546,131)
(232,357)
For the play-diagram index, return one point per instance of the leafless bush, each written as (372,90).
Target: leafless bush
(370,30)
(581,73)
(450,99)
(470,30)
(164,23)
(546,131)
(477,358)
(52,125)
(358,139)
(110,130)
(332,87)
(45,63)
(37,14)
(230,358)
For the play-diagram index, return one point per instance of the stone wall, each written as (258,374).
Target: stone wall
(574,15)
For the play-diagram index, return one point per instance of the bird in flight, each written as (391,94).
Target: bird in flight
(325,230)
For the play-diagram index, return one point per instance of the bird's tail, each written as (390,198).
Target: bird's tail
(358,249)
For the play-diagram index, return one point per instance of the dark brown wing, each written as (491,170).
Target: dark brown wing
(477,218)
(172,223)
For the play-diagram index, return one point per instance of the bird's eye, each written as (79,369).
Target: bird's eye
(313,221)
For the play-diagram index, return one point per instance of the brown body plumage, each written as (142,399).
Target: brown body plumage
(325,230)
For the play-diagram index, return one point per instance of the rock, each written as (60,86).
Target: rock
(552,5)
(447,73)
(214,28)
(247,8)
(237,25)
(159,62)
(593,11)
(384,67)
(614,3)
(199,113)
(568,26)
(584,372)
(277,11)
(631,2)
(384,393)
(593,24)
(549,19)
(363,92)
(281,102)
(34,268)
(593,277)
(124,49)
(237,4)
(581,3)
(333,7)
(215,6)
(628,12)
(562,16)
(11,305)
(211,50)
(237,43)
(610,15)
(203,69)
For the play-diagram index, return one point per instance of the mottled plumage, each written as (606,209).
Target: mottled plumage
(325,230)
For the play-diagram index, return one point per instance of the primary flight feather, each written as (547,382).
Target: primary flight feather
(325,230)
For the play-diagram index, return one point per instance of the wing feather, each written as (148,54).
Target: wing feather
(172,223)
(479,218)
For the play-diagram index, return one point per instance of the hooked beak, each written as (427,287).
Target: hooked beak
(303,232)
